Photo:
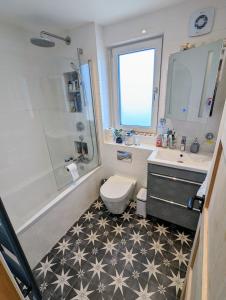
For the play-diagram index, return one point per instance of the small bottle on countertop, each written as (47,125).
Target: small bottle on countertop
(174,139)
(165,140)
(195,146)
(129,138)
(159,140)
(183,143)
(170,141)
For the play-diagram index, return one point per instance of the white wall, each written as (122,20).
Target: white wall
(173,23)
(137,169)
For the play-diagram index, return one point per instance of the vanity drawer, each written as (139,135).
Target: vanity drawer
(172,189)
(178,173)
(172,213)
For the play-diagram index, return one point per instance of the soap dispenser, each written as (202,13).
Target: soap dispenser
(195,146)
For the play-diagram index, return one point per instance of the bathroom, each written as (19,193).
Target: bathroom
(102,207)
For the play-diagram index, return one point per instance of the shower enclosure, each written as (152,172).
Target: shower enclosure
(69,124)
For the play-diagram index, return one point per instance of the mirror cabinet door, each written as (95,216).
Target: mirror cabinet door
(192,76)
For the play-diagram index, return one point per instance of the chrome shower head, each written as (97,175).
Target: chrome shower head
(42,42)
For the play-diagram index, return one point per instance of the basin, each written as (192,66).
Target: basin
(182,160)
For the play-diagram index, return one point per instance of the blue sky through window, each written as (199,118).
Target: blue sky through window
(136,74)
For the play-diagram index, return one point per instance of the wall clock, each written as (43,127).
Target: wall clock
(201,21)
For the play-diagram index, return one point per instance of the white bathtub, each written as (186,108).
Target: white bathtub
(41,232)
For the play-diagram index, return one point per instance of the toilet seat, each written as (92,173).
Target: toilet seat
(116,188)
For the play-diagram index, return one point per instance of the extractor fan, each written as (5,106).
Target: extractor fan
(201,21)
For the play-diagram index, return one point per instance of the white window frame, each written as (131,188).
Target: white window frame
(152,43)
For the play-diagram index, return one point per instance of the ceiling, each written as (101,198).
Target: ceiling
(67,14)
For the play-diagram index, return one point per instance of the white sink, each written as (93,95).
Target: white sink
(181,160)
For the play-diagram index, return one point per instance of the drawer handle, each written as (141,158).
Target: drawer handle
(171,202)
(176,179)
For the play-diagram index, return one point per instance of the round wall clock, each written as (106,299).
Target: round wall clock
(201,22)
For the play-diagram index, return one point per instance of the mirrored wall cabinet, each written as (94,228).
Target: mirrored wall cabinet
(192,82)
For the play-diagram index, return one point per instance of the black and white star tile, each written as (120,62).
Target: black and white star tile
(103,256)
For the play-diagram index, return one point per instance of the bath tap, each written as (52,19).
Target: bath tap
(81,159)
(68,159)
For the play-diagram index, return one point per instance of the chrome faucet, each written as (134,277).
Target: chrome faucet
(183,143)
(80,158)
(69,159)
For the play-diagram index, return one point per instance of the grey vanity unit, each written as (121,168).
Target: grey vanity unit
(168,192)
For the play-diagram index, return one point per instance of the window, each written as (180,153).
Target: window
(136,74)
(135,92)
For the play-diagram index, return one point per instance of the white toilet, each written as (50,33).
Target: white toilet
(116,193)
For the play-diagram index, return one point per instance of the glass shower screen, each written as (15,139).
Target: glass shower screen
(69,124)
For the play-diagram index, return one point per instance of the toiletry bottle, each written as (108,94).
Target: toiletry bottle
(136,138)
(170,141)
(78,102)
(169,138)
(162,126)
(183,143)
(129,138)
(73,86)
(195,146)
(159,141)
(165,140)
(174,139)
(70,86)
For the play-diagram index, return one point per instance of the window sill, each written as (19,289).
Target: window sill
(149,147)
(143,138)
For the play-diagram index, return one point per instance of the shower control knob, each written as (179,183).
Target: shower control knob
(80,126)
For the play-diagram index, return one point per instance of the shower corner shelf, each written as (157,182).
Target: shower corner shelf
(72,85)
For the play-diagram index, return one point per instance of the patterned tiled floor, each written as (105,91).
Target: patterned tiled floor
(107,257)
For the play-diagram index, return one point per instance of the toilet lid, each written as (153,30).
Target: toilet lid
(117,187)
